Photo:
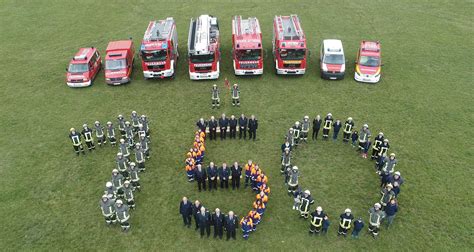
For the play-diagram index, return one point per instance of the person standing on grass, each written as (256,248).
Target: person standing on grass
(348,126)
(236,172)
(231,224)
(76,141)
(145,145)
(328,120)
(204,218)
(232,127)
(140,157)
(253,126)
(387,196)
(111,133)
(200,176)
(235,95)
(345,222)
(223,123)
(122,165)
(305,128)
(306,202)
(391,210)
(107,205)
(317,218)
(376,215)
(99,133)
(146,125)
(128,194)
(133,173)
(213,128)
(297,133)
(290,137)
(285,163)
(247,227)
(293,176)
(326,224)
(354,137)
(316,126)
(117,182)
(186,210)
(135,119)
(224,175)
(218,223)
(212,176)
(243,122)
(122,215)
(201,124)
(123,148)
(364,138)
(87,133)
(358,226)
(215,100)
(378,140)
(196,208)
(383,150)
(248,171)
(121,125)
(337,126)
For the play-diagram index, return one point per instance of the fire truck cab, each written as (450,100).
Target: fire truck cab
(331,59)
(83,67)
(289,45)
(159,49)
(203,48)
(119,62)
(368,62)
(247,49)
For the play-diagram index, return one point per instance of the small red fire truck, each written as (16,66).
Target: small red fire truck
(368,62)
(83,67)
(119,62)
(203,48)
(247,46)
(289,45)
(159,49)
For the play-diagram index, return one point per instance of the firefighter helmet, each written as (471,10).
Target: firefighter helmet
(295,168)
(119,202)
(377,205)
(307,192)
(132,164)
(319,209)
(72,129)
(114,171)
(392,154)
(109,123)
(349,118)
(108,184)
(96,122)
(348,210)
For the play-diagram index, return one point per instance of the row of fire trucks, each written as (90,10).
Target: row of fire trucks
(159,53)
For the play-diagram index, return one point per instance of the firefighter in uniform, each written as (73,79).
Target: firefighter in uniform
(293,176)
(253,126)
(233,127)
(99,133)
(146,125)
(122,215)
(111,133)
(306,202)
(376,215)
(243,121)
(247,227)
(121,125)
(108,209)
(387,195)
(290,137)
(364,138)
(87,133)
(297,133)
(223,123)
(216,101)
(235,95)
(213,128)
(348,126)
(345,222)
(122,165)
(128,193)
(316,126)
(255,216)
(378,140)
(327,125)
(141,130)
(248,171)
(286,163)
(135,120)
(317,218)
(76,141)
(305,129)
(129,134)
(145,144)
(140,157)
(110,190)
(383,150)
(133,174)
(123,148)
(117,182)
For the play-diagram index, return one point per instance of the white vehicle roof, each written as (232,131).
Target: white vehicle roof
(333,46)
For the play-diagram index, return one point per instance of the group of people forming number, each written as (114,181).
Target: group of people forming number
(384,166)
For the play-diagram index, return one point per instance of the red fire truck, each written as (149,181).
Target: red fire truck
(83,67)
(289,45)
(159,49)
(247,46)
(119,62)
(203,48)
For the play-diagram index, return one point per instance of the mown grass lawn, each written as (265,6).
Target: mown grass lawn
(424,105)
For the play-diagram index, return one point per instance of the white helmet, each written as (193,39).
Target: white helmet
(109,123)
(380,133)
(134,112)
(143,116)
(319,209)
(114,171)
(127,123)
(120,116)
(119,202)
(306,117)
(348,210)
(385,140)
(295,168)
(291,129)
(307,192)
(105,196)
(84,125)
(349,118)
(397,173)
(377,205)
(297,123)
(108,184)
(126,182)
(96,122)
(132,163)
(122,140)
(366,125)
(389,185)
(329,114)
(119,154)
(392,154)
(137,145)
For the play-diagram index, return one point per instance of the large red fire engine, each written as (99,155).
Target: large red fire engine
(247,46)
(289,45)
(159,49)
(203,48)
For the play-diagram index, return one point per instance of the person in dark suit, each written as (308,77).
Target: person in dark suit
(212,176)
(223,123)
(200,176)
(233,126)
(186,210)
(243,122)
(213,128)
(218,222)
(236,173)
(201,124)
(253,126)
(204,219)
(196,207)
(231,224)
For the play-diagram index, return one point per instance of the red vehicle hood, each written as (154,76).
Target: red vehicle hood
(367,70)
(116,73)
(334,67)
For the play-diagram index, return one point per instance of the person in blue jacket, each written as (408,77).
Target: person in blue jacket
(358,226)
(326,224)
(336,127)
(186,210)
(391,210)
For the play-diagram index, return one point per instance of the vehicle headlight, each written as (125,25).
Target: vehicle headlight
(86,79)
(107,79)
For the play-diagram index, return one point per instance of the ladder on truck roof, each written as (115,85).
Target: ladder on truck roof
(198,38)
(246,26)
(290,28)
(160,30)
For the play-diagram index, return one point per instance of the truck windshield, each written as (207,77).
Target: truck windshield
(369,61)
(77,68)
(202,58)
(292,54)
(157,55)
(115,64)
(336,59)
(254,54)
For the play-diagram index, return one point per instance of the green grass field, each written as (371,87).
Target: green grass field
(424,105)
